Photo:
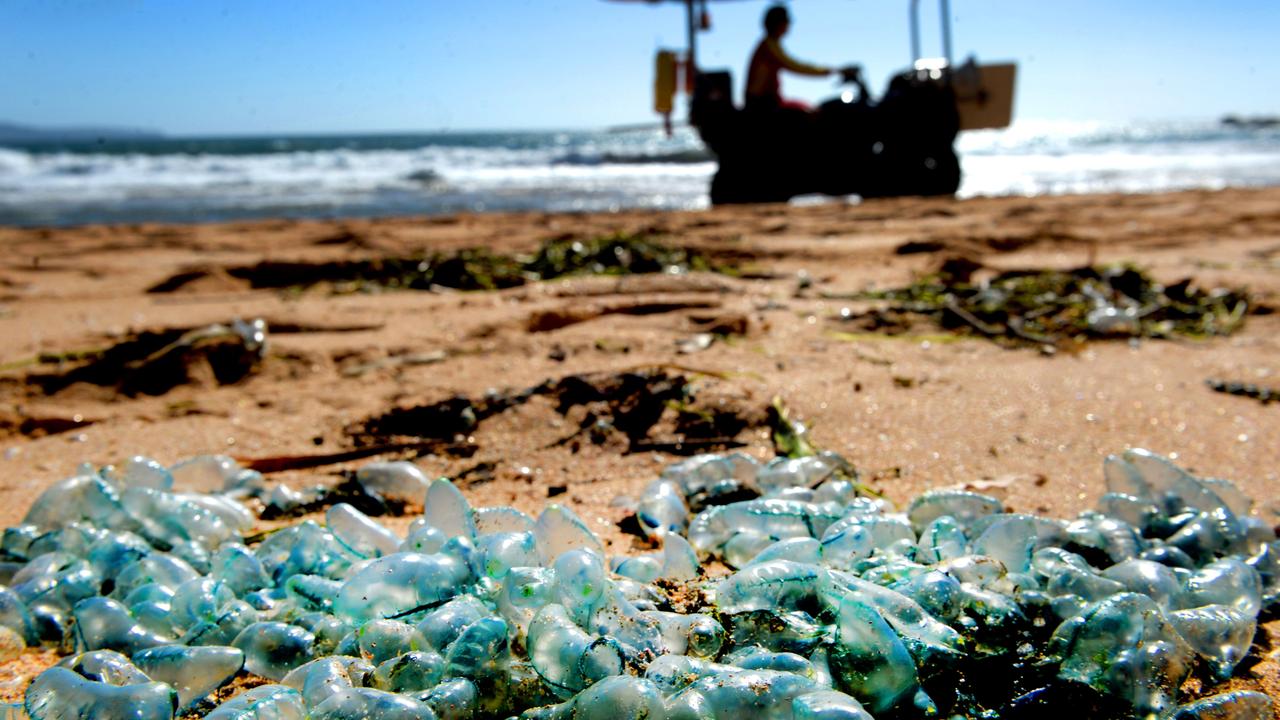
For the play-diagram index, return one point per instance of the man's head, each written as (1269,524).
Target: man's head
(776,21)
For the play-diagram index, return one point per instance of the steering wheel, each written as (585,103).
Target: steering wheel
(852,75)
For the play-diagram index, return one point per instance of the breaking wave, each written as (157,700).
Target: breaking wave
(195,179)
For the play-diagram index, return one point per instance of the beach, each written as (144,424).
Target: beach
(914,408)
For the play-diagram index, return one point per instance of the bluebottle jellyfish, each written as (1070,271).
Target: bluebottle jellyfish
(774,591)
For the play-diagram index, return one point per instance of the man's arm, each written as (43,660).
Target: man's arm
(790,63)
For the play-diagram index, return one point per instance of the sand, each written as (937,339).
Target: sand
(912,412)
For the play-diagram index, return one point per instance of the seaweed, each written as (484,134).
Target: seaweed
(19,423)
(626,405)
(1264,395)
(155,362)
(468,268)
(790,437)
(1057,307)
(617,254)
(791,440)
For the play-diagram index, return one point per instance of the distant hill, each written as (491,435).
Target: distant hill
(1260,122)
(12,132)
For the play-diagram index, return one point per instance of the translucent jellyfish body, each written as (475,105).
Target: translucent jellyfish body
(833,607)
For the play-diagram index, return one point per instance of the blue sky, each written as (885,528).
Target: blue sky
(274,66)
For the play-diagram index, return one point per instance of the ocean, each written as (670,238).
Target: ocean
(316,176)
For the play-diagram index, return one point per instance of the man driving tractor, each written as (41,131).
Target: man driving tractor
(764,90)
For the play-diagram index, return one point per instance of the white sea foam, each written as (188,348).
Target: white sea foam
(1036,158)
(185,180)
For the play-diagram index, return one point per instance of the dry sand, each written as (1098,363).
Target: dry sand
(912,412)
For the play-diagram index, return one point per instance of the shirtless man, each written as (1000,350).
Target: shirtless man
(764,91)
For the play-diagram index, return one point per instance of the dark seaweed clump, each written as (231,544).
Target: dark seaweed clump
(1263,394)
(471,268)
(618,254)
(628,406)
(155,362)
(1052,307)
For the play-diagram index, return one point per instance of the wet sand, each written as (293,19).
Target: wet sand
(912,412)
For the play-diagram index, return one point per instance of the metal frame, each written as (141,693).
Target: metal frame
(945,9)
(693,34)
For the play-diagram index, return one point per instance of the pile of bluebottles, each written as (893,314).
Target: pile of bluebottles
(836,606)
